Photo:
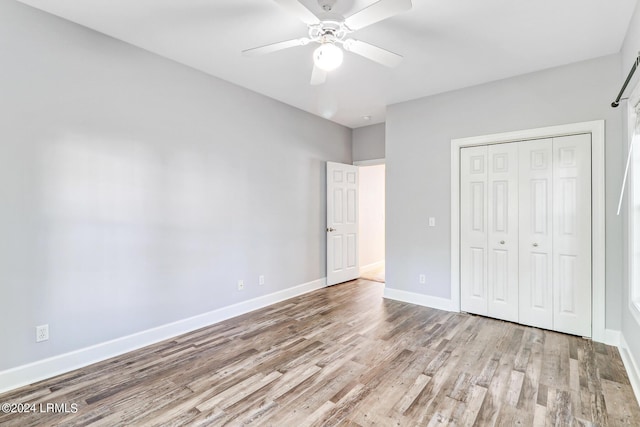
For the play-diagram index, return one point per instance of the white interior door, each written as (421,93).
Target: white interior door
(572,234)
(555,234)
(473,230)
(536,229)
(342,223)
(525,232)
(502,244)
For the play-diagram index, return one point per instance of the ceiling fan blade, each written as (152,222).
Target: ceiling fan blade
(273,47)
(296,8)
(374,53)
(378,11)
(318,76)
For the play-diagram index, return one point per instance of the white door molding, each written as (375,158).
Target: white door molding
(596,129)
(372,162)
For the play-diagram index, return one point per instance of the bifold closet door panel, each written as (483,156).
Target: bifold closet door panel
(572,234)
(502,246)
(536,233)
(473,230)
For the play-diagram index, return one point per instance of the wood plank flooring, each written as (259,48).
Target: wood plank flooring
(374,274)
(344,356)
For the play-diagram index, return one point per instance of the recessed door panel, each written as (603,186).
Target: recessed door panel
(500,274)
(500,206)
(539,206)
(566,285)
(477,210)
(500,161)
(351,250)
(567,211)
(477,163)
(540,284)
(478,275)
(540,159)
(352,202)
(536,293)
(337,242)
(338,206)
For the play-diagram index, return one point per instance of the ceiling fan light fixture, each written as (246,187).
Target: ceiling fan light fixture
(328,56)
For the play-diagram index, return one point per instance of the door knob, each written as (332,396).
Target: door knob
(330,229)
(535,245)
(502,242)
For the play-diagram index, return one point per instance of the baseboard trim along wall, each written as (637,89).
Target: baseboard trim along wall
(611,337)
(633,371)
(419,299)
(371,266)
(47,368)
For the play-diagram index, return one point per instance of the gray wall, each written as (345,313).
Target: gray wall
(418,138)
(369,142)
(630,327)
(135,191)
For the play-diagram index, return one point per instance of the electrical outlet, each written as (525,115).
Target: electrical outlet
(240,285)
(261,280)
(423,279)
(42,333)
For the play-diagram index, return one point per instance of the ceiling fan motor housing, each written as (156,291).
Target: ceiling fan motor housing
(328,31)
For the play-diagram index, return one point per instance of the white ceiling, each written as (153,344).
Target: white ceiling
(446,44)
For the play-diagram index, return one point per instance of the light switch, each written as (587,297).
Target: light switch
(432,222)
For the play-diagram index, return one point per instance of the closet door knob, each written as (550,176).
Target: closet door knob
(502,242)
(535,245)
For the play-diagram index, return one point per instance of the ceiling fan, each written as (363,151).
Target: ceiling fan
(333,31)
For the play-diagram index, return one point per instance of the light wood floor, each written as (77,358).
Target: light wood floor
(374,274)
(345,356)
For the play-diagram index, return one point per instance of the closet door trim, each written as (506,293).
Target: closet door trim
(597,130)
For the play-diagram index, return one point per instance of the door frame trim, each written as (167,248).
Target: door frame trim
(597,130)
(372,162)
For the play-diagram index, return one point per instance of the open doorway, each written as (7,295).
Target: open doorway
(371,218)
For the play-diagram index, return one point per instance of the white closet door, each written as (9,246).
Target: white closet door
(473,230)
(536,233)
(502,274)
(572,234)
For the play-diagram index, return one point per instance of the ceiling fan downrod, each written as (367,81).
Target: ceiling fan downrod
(327,5)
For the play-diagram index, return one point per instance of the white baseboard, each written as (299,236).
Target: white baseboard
(371,266)
(47,368)
(611,337)
(420,299)
(633,371)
